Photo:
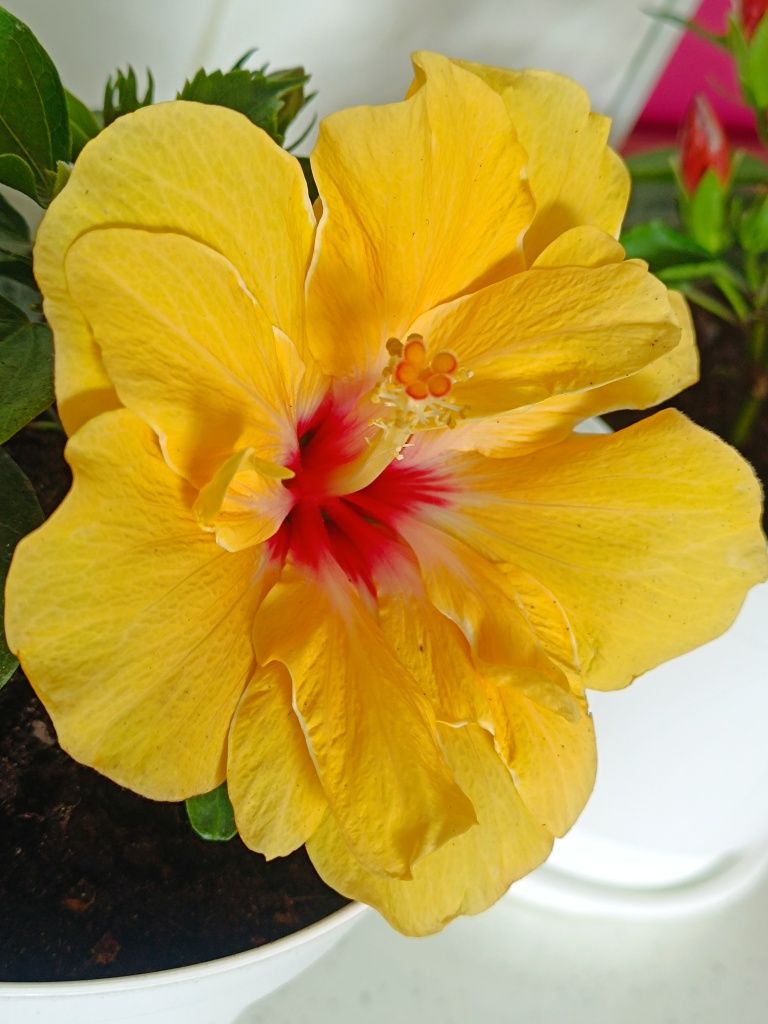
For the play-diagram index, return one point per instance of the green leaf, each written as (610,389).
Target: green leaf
(27,299)
(749,169)
(26,376)
(13,227)
(82,124)
(753,228)
(122,95)
(211,814)
(20,512)
(756,66)
(692,27)
(271,101)
(19,175)
(661,246)
(34,126)
(309,177)
(652,165)
(11,316)
(704,213)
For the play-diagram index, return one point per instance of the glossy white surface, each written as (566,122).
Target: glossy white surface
(358,52)
(520,965)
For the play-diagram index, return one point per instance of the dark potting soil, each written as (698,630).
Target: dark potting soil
(96,881)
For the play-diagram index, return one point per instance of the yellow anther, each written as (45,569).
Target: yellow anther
(416,389)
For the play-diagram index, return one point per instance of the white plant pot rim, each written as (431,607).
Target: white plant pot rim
(174,975)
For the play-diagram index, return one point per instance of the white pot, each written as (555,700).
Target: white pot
(216,992)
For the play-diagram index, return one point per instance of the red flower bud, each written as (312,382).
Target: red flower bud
(703,145)
(749,14)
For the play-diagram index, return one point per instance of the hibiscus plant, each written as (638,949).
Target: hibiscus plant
(335,566)
(717,253)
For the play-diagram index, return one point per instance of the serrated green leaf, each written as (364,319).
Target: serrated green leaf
(20,512)
(34,126)
(82,124)
(211,814)
(121,96)
(661,246)
(26,376)
(271,101)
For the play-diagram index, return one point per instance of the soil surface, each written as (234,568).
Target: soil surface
(97,882)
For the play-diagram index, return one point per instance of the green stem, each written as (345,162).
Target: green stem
(752,405)
(707,302)
(761,116)
(745,421)
(740,307)
(757,342)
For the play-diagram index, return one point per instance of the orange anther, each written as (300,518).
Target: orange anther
(406,373)
(444,362)
(414,351)
(417,390)
(439,385)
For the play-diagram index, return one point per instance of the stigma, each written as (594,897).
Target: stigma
(418,388)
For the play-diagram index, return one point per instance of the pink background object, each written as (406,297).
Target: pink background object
(696,66)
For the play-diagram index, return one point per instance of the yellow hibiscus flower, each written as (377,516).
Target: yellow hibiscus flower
(331,535)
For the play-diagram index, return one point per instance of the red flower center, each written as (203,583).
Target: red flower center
(357,531)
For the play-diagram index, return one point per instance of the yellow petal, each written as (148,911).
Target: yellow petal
(371,731)
(492,605)
(187,347)
(575,178)
(132,625)
(272,783)
(551,330)
(523,430)
(551,756)
(468,873)
(200,170)
(244,502)
(435,652)
(420,199)
(649,537)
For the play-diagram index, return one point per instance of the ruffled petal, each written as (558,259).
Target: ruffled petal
(575,178)
(468,873)
(130,621)
(550,330)
(274,789)
(435,652)
(551,755)
(186,346)
(371,731)
(649,538)
(419,200)
(524,430)
(191,168)
(492,604)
